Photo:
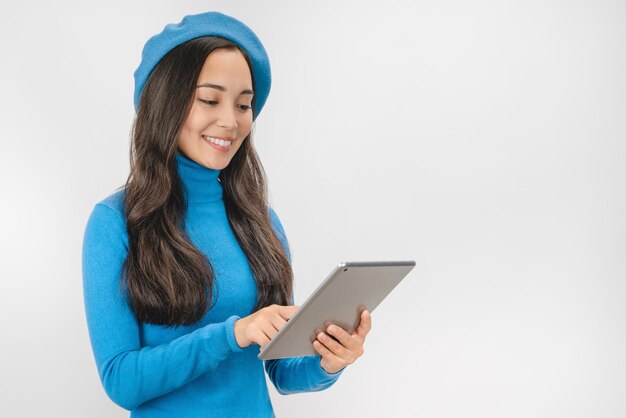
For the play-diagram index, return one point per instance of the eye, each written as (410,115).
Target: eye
(214,102)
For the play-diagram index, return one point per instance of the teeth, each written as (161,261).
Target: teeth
(220,142)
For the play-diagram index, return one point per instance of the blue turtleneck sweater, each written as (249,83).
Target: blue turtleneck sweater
(185,371)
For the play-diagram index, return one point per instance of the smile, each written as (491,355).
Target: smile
(218,143)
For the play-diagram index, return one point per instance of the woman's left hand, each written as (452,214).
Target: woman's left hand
(338,354)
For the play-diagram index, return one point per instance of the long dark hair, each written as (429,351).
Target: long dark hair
(168,280)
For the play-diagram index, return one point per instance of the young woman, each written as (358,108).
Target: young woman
(186,269)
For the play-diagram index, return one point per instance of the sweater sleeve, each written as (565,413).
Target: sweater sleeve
(132,374)
(297,374)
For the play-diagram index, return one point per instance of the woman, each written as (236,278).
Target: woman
(186,270)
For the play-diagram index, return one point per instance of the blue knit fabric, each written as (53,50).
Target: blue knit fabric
(185,371)
(207,24)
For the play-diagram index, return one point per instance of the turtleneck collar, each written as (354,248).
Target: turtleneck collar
(201,183)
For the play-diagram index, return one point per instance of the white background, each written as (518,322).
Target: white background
(484,139)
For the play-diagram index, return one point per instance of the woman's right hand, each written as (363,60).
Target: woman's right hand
(260,327)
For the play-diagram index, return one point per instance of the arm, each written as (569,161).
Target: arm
(131,374)
(298,374)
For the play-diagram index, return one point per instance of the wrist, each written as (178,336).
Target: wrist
(239,334)
(330,370)
(230,333)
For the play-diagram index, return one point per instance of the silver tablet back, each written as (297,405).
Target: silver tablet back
(339,300)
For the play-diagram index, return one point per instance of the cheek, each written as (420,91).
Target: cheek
(245,125)
(194,121)
(191,128)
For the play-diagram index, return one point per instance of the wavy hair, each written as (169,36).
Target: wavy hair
(168,280)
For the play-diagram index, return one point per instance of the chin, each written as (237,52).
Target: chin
(216,165)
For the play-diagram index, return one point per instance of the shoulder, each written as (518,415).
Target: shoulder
(114,201)
(280,231)
(109,210)
(276,223)
(105,239)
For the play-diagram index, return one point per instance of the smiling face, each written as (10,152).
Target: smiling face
(221,110)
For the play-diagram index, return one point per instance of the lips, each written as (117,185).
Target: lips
(221,144)
(225,138)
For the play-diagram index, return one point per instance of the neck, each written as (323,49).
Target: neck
(201,183)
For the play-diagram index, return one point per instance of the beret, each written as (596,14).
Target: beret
(207,24)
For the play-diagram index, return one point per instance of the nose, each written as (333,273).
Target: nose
(226,118)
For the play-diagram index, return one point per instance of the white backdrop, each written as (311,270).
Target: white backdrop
(484,139)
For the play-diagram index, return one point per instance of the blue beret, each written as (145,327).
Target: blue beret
(208,24)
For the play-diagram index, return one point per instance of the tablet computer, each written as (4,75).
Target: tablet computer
(339,299)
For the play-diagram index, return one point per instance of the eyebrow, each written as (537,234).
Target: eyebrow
(222,88)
